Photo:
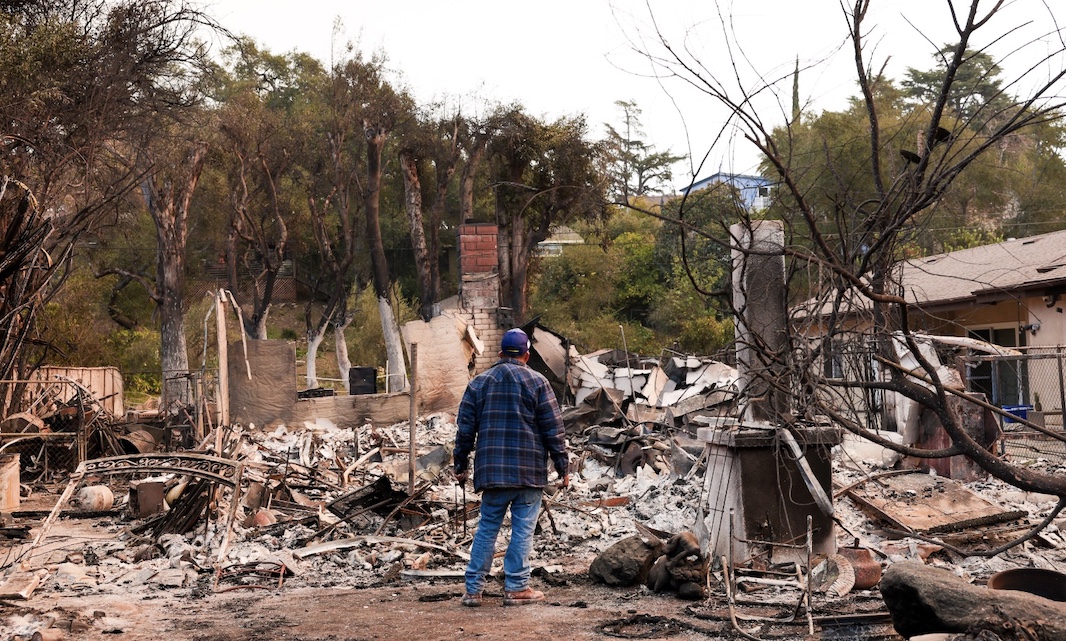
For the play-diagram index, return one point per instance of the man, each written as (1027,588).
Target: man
(510,412)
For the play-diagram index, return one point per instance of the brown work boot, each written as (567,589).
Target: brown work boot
(472,600)
(523,597)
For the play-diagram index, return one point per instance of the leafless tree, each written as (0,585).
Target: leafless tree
(844,259)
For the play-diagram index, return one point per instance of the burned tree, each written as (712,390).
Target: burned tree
(438,143)
(264,133)
(361,110)
(851,227)
(80,80)
(167,196)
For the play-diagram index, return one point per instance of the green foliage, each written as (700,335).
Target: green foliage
(976,93)
(366,343)
(137,357)
(704,334)
(80,334)
(704,244)
(575,287)
(636,281)
(636,168)
(639,282)
(73,320)
(1013,190)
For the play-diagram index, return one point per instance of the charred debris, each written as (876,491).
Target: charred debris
(190,508)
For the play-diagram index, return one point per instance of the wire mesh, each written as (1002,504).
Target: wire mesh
(1031,387)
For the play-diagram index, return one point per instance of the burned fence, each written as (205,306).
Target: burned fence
(62,424)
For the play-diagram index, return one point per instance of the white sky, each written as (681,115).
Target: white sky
(565,57)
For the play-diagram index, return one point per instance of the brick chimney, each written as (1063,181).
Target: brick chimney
(479,276)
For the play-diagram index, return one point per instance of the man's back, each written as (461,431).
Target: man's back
(511,411)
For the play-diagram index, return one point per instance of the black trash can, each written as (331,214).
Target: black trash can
(363,380)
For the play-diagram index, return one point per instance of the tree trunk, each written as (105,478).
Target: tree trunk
(261,302)
(231,261)
(169,208)
(926,600)
(259,324)
(444,163)
(314,340)
(412,188)
(522,242)
(344,364)
(466,182)
(436,216)
(503,256)
(375,142)
(397,376)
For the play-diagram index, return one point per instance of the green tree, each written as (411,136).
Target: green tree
(635,167)
(977,93)
(545,174)
(265,101)
(1014,191)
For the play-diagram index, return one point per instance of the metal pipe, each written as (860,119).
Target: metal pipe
(1062,387)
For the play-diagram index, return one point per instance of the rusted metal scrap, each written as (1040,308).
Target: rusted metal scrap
(380,491)
(243,573)
(919,502)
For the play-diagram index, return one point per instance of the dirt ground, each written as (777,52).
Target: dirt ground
(423,611)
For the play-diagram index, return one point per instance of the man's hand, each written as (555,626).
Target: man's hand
(564,481)
(460,477)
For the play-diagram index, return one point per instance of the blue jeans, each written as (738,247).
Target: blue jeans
(525,508)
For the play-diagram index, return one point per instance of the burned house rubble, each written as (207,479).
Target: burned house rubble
(691,484)
(313,504)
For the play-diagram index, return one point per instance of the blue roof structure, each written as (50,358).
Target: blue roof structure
(754,190)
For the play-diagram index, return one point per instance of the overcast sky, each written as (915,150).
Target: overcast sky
(565,57)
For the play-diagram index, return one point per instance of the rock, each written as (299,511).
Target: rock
(925,600)
(626,563)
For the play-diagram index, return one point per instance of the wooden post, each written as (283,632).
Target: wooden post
(223,370)
(201,405)
(413,453)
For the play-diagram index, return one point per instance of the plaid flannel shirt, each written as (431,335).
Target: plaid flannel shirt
(511,413)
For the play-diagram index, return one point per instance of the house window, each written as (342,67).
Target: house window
(832,358)
(764,192)
(1004,381)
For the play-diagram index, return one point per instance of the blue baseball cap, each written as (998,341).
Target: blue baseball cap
(514,343)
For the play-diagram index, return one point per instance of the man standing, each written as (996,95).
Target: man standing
(510,412)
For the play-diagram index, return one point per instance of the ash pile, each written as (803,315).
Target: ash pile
(315,505)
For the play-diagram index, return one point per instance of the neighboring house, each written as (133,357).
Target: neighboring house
(561,236)
(754,190)
(1011,294)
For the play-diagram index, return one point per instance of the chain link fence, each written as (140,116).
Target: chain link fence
(1031,387)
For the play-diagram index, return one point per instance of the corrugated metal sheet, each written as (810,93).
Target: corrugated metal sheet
(104,382)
